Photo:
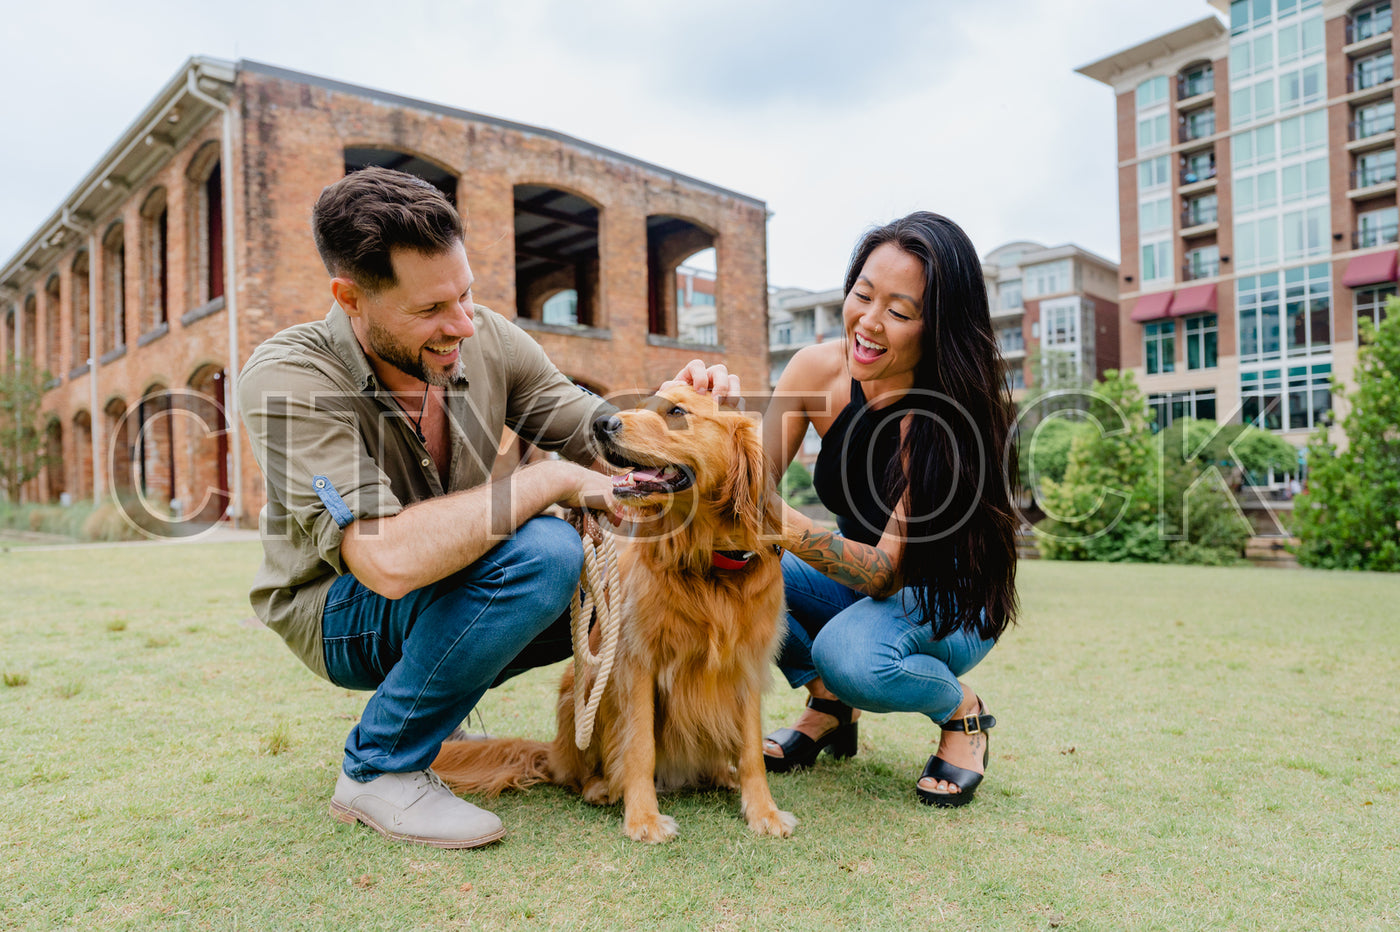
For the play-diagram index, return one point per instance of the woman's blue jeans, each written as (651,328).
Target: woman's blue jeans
(431,655)
(870,652)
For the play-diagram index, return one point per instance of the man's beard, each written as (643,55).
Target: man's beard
(383,345)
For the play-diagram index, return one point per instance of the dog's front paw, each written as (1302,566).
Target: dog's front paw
(773,822)
(595,791)
(650,827)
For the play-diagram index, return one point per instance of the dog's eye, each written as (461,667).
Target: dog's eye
(677,411)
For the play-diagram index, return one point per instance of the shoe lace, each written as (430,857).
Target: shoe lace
(434,780)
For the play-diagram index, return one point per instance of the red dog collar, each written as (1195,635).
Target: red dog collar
(730,559)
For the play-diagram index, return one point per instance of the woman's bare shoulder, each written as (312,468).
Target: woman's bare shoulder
(818,366)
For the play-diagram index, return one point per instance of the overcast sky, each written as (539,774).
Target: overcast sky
(838,114)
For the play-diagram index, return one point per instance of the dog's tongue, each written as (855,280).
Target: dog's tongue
(646,478)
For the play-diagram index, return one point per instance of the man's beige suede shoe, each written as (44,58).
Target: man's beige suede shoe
(414,807)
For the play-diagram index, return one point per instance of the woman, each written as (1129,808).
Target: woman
(914,414)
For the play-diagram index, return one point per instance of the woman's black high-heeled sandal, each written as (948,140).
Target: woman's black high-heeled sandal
(965,780)
(801,751)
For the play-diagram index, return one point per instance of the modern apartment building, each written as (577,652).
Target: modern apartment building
(1055,312)
(1257,204)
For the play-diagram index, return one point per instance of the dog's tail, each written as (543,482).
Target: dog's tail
(488,766)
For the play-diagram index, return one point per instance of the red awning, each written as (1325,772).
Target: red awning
(1371,269)
(1198,299)
(1152,306)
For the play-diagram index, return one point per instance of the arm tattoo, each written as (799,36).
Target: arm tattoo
(860,566)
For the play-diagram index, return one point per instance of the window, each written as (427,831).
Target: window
(1201,210)
(1154,216)
(1010,339)
(1015,377)
(1169,407)
(1300,87)
(1197,167)
(1153,173)
(1374,168)
(1061,325)
(1201,333)
(707,334)
(155,264)
(1302,133)
(782,334)
(1152,92)
(1046,278)
(1256,192)
(1198,124)
(82,347)
(113,290)
(1203,262)
(1159,346)
(671,242)
(1306,403)
(1304,180)
(1305,233)
(1252,102)
(556,251)
(1373,70)
(1299,40)
(1196,81)
(1253,147)
(1257,303)
(562,309)
(1256,242)
(1152,132)
(53,302)
(1368,22)
(1156,261)
(1371,304)
(1010,297)
(1374,119)
(1308,310)
(1376,227)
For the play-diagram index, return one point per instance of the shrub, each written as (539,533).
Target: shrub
(1349,517)
(797,486)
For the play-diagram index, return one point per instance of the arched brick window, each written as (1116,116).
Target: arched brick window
(155,264)
(670,242)
(556,251)
(78,308)
(206,225)
(113,309)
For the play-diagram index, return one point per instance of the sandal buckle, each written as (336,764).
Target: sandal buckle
(972,724)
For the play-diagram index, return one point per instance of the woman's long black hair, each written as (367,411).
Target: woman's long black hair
(955,470)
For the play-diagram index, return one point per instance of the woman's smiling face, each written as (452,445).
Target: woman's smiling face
(884,317)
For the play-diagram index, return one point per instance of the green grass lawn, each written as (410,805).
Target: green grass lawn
(1178,748)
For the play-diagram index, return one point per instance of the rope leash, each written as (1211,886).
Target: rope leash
(601,590)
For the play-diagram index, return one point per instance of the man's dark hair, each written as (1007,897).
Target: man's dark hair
(363,216)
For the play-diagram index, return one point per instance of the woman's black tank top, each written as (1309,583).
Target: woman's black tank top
(849,477)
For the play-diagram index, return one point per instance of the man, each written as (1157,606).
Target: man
(391,563)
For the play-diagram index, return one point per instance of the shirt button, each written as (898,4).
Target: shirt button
(426,462)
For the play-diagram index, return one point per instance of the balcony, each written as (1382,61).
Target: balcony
(1372,181)
(1203,268)
(1375,236)
(1194,89)
(1369,133)
(1367,31)
(1371,78)
(1198,221)
(1194,177)
(1192,129)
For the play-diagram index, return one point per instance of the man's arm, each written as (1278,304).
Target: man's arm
(433,539)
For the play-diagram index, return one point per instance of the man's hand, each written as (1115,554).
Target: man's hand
(715,380)
(583,488)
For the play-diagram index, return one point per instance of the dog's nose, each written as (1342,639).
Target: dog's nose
(606,426)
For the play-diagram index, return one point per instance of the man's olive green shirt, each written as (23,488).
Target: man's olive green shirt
(334,446)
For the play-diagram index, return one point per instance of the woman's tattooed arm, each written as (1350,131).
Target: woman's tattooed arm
(860,566)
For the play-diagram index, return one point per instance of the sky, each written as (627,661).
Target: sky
(838,115)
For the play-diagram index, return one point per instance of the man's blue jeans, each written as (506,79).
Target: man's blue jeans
(872,653)
(430,656)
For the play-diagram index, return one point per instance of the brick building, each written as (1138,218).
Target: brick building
(1055,313)
(189,243)
(1256,174)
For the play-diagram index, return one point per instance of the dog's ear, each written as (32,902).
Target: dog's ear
(745,487)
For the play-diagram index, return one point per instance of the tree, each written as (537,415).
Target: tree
(1106,506)
(21,443)
(1349,517)
(797,486)
(1128,494)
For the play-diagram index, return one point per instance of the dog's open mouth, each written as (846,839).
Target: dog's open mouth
(640,481)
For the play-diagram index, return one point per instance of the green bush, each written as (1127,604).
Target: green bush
(1044,452)
(1128,495)
(797,486)
(1349,517)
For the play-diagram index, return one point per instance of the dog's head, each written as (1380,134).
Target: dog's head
(689,459)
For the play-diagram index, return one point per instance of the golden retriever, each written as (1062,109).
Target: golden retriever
(702,607)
